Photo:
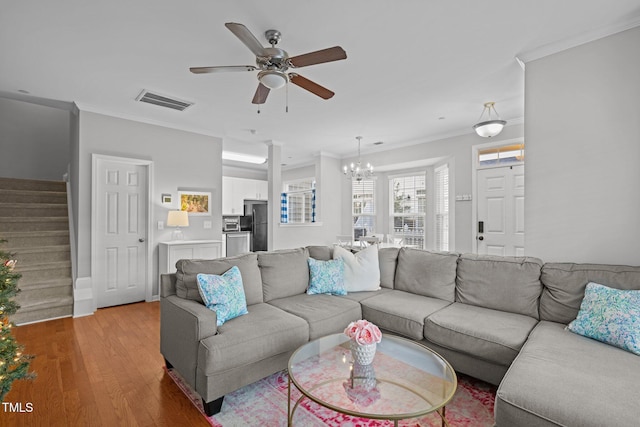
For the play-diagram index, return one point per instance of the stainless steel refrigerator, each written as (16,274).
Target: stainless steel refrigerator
(256,221)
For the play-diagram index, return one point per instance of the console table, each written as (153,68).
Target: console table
(171,252)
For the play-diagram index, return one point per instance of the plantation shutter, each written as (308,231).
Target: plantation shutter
(442,208)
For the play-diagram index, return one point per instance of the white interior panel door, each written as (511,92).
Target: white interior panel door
(501,211)
(120,275)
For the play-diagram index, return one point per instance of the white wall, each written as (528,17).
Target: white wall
(328,201)
(34,140)
(180,160)
(583,152)
(458,150)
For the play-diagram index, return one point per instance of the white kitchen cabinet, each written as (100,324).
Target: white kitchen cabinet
(236,190)
(171,252)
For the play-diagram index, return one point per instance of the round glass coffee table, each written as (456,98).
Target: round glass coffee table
(405,380)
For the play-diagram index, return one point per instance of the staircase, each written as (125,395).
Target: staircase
(35,224)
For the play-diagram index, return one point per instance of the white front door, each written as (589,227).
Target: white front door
(120,210)
(500,228)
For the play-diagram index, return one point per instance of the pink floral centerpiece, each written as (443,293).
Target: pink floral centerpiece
(364,337)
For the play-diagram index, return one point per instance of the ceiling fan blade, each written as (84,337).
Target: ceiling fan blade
(221,69)
(312,87)
(330,54)
(247,38)
(261,94)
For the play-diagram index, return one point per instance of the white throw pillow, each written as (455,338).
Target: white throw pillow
(361,270)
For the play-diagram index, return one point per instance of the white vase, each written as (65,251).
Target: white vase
(363,354)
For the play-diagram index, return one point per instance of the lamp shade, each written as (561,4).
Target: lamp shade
(178,219)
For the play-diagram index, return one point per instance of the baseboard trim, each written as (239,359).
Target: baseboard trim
(83,297)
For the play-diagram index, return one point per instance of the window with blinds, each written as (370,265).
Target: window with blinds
(409,203)
(441,205)
(298,201)
(363,207)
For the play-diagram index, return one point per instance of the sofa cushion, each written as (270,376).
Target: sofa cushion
(401,312)
(326,277)
(492,335)
(284,273)
(188,269)
(359,296)
(509,284)
(431,274)
(388,260)
(564,285)
(321,253)
(361,270)
(223,294)
(560,378)
(325,314)
(611,316)
(264,332)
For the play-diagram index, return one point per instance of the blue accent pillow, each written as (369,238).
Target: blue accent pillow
(611,316)
(326,277)
(223,294)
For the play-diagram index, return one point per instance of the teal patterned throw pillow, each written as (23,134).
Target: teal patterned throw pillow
(611,316)
(326,277)
(223,294)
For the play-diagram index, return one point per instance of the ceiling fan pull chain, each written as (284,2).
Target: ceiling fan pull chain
(286,90)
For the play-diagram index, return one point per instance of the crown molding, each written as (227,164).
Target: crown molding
(589,36)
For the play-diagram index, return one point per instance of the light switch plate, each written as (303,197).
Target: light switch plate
(160,225)
(207,224)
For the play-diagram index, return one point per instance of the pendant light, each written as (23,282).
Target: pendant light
(489,127)
(355,171)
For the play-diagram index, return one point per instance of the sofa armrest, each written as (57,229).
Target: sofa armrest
(183,324)
(167,284)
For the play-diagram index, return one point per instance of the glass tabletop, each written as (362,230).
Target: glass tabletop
(405,380)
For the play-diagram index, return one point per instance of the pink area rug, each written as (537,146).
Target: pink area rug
(264,403)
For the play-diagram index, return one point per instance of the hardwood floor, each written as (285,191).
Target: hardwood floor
(100,370)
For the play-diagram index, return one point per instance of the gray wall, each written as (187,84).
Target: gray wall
(583,152)
(34,140)
(181,160)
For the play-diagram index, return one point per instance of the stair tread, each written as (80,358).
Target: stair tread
(33,192)
(33,218)
(42,265)
(46,283)
(32,205)
(44,249)
(35,233)
(46,303)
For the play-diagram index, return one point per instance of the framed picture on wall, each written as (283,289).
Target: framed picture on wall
(195,202)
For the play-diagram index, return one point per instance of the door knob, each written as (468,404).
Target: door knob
(480,238)
(140,240)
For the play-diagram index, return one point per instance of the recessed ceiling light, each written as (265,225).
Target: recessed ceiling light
(23,91)
(441,118)
(378,143)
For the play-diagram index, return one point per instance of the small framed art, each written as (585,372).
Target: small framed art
(195,202)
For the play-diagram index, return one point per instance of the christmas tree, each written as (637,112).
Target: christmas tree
(14,365)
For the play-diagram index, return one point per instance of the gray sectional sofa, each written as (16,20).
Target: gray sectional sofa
(499,319)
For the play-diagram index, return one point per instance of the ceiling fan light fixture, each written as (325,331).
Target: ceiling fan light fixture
(273,79)
(489,127)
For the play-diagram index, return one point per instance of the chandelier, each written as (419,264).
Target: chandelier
(489,127)
(355,171)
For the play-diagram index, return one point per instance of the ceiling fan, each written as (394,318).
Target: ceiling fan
(273,63)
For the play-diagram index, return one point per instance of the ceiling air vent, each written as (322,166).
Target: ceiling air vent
(163,101)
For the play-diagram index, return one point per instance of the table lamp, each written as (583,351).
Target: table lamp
(177,219)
